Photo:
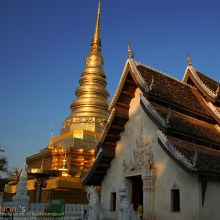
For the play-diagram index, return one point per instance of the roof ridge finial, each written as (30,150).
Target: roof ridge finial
(151,84)
(217,90)
(189,60)
(168,116)
(194,160)
(130,52)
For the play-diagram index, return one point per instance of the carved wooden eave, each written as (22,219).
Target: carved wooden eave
(106,148)
(137,77)
(93,168)
(202,161)
(163,140)
(152,113)
(130,67)
(191,75)
(213,111)
(106,128)
(120,86)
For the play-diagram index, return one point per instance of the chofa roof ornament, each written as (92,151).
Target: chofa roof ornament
(130,52)
(189,60)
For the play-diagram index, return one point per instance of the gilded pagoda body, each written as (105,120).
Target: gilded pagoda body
(73,151)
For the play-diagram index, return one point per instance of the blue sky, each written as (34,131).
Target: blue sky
(44,43)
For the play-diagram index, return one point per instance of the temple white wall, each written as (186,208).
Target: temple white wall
(123,151)
(210,210)
(168,175)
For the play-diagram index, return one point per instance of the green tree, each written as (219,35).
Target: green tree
(3,170)
(3,165)
(3,182)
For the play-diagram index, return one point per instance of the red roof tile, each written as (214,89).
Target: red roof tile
(188,125)
(209,82)
(207,160)
(172,91)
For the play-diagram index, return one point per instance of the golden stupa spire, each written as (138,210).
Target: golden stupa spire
(92,95)
(96,41)
(95,61)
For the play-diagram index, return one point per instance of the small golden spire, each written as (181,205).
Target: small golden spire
(64,168)
(15,174)
(50,145)
(189,60)
(95,61)
(130,52)
(16,168)
(64,161)
(96,41)
(42,164)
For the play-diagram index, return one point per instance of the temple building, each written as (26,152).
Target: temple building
(162,143)
(72,153)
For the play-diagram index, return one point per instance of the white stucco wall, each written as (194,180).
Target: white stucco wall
(211,209)
(168,173)
(113,179)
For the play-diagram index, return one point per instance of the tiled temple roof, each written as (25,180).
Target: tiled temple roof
(208,87)
(186,131)
(209,82)
(187,125)
(204,159)
(172,91)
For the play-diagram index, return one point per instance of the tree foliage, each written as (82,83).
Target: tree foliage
(3,165)
(3,182)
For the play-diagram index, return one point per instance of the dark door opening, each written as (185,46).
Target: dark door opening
(137,191)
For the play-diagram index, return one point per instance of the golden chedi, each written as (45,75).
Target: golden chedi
(73,151)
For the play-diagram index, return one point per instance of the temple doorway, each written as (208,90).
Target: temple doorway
(137,191)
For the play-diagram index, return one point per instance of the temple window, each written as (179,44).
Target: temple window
(175,200)
(113,202)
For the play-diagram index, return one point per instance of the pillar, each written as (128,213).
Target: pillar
(148,194)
